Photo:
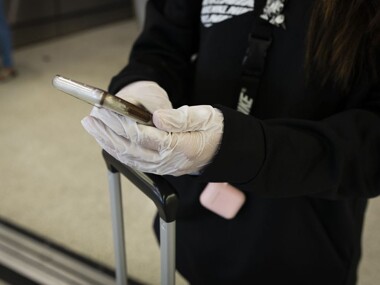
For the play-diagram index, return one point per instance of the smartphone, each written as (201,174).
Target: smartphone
(100,98)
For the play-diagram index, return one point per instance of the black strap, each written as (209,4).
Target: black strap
(259,41)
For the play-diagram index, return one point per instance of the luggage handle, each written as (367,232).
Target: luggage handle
(164,197)
(155,187)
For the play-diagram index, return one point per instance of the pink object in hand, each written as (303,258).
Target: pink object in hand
(222,199)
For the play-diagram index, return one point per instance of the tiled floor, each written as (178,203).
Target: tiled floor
(53,179)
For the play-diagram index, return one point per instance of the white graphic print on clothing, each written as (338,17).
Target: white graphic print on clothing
(216,11)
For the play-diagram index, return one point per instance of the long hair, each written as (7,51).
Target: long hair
(343,37)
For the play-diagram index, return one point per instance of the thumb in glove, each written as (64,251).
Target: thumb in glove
(147,94)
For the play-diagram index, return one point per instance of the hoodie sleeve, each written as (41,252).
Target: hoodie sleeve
(336,157)
(163,51)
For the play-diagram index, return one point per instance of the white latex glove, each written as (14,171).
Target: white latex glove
(147,94)
(185,140)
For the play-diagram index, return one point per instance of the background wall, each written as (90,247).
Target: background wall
(36,20)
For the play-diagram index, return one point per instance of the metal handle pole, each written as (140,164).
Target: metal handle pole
(167,244)
(118,227)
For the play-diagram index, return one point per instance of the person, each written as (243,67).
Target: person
(300,139)
(8,70)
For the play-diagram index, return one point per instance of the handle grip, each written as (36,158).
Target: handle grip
(155,187)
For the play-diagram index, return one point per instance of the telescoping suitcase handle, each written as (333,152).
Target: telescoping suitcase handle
(163,196)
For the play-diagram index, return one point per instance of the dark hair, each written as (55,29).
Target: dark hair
(343,36)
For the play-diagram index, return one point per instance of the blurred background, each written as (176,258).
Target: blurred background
(54,204)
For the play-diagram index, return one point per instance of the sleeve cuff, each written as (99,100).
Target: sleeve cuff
(242,150)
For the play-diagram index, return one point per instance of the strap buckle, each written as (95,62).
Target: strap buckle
(254,59)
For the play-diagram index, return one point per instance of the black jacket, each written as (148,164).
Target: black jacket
(308,158)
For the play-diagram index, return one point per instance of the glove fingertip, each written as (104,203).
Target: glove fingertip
(86,122)
(92,125)
(157,121)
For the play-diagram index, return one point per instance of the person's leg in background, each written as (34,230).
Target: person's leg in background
(140,11)
(8,70)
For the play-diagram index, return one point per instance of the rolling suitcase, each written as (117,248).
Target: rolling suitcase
(166,200)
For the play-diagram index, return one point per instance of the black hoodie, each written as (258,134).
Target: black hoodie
(307,157)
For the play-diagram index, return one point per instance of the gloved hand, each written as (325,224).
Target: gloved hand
(147,94)
(185,140)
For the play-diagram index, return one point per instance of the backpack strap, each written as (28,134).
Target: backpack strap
(259,42)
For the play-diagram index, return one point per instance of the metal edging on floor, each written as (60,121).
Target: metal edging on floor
(44,264)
